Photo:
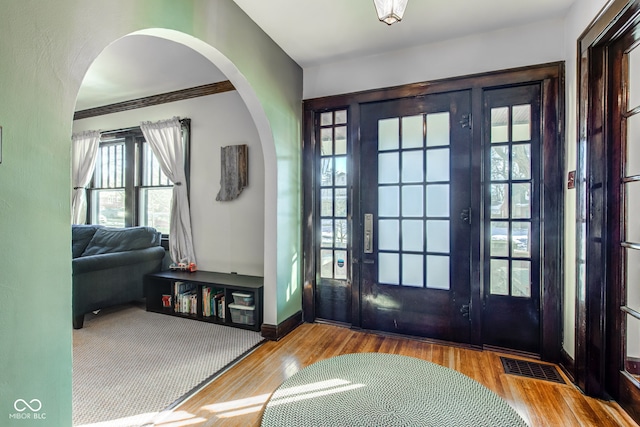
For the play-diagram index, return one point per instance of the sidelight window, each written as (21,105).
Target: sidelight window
(510,194)
(334,232)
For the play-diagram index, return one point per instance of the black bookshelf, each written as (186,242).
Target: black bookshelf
(163,283)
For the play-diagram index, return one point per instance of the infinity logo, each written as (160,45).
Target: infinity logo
(37,405)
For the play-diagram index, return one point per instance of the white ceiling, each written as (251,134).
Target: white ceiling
(321,31)
(311,32)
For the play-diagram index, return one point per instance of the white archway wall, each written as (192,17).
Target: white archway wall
(46,49)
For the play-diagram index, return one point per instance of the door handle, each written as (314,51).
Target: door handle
(368,233)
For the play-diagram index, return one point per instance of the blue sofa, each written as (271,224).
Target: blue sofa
(109,265)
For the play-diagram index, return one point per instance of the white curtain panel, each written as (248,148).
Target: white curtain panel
(165,140)
(84,151)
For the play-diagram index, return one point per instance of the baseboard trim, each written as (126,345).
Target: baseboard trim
(276,332)
(567,364)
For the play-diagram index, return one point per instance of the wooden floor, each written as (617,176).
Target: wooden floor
(237,397)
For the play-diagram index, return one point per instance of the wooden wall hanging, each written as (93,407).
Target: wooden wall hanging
(234,172)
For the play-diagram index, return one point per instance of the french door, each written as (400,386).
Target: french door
(624,227)
(415,172)
(423,206)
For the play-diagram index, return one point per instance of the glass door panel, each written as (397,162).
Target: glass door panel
(409,149)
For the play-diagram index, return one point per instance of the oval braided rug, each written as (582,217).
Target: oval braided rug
(375,389)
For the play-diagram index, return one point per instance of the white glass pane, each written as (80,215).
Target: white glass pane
(631,211)
(326,172)
(520,239)
(389,201)
(499,277)
(521,161)
(438,165)
(412,202)
(633,345)
(341,233)
(155,208)
(438,272)
(388,235)
(389,269)
(438,129)
(521,202)
(412,131)
(326,119)
(341,117)
(499,200)
(340,267)
(500,124)
(341,202)
(326,202)
(633,279)
(521,279)
(326,264)
(412,270)
(341,170)
(633,145)
(499,163)
(412,236)
(412,166)
(438,236)
(341,140)
(108,208)
(521,123)
(326,226)
(499,238)
(388,168)
(634,80)
(388,134)
(326,141)
(438,200)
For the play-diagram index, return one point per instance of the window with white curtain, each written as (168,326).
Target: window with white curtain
(128,187)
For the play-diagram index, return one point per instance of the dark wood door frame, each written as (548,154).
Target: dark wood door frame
(596,296)
(551,78)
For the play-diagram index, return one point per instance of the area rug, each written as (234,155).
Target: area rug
(375,389)
(129,365)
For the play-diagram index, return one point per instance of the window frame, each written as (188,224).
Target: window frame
(133,172)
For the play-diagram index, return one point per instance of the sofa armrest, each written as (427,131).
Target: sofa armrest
(91,263)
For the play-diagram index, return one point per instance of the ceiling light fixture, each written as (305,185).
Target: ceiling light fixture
(390,11)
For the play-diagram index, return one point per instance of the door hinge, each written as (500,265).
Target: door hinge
(464,309)
(466,121)
(465,215)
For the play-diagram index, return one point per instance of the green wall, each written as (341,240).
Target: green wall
(45,50)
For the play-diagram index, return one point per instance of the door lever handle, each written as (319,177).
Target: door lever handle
(368,233)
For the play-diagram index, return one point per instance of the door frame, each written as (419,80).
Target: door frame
(597,299)
(551,78)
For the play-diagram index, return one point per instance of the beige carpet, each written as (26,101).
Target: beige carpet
(129,365)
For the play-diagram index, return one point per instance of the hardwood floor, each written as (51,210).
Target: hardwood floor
(237,397)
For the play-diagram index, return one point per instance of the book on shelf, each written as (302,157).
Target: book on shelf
(185,298)
(210,298)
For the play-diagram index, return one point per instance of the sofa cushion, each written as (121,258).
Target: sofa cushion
(81,235)
(107,240)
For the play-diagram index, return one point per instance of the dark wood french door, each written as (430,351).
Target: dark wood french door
(415,176)
(423,206)
(623,314)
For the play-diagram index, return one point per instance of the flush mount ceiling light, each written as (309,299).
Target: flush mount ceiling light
(390,11)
